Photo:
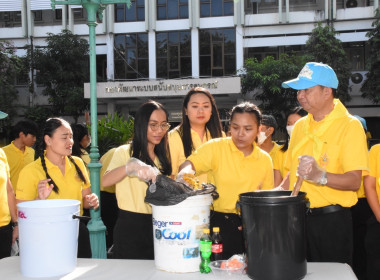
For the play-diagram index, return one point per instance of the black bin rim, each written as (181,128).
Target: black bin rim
(271,197)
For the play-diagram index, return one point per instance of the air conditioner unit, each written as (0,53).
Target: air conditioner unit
(356,81)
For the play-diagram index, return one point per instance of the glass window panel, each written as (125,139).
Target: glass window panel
(183,12)
(229,41)
(130,40)
(161,12)
(142,45)
(204,43)
(162,70)
(140,14)
(161,42)
(185,43)
(131,57)
(143,66)
(119,69)
(217,7)
(172,9)
(217,55)
(217,35)
(119,41)
(173,57)
(228,9)
(130,14)
(185,66)
(173,74)
(119,15)
(173,38)
(205,10)
(161,2)
(217,72)
(140,2)
(205,65)
(229,64)
(183,1)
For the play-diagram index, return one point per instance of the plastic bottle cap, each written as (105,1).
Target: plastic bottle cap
(206,230)
(215,229)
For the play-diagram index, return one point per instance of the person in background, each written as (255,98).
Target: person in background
(238,165)
(200,123)
(264,139)
(328,151)
(361,213)
(133,231)
(8,210)
(279,160)
(109,209)
(82,139)
(372,192)
(19,152)
(58,175)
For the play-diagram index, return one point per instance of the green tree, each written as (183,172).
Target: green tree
(63,68)
(323,46)
(265,78)
(10,66)
(371,87)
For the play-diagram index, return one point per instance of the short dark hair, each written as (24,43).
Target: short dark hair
(247,107)
(26,127)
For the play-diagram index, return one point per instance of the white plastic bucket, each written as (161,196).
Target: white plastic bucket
(48,236)
(176,233)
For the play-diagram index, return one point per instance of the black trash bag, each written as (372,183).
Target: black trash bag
(169,192)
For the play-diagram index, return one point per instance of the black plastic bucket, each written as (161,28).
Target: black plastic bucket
(274,230)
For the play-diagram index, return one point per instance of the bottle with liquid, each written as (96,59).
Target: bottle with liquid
(205,251)
(217,245)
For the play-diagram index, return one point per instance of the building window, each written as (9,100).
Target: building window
(173,54)
(131,56)
(172,9)
(216,8)
(135,13)
(357,54)
(217,52)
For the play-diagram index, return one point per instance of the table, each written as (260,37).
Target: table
(102,269)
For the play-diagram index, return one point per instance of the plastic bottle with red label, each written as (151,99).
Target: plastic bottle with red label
(217,245)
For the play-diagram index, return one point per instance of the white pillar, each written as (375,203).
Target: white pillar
(110,56)
(152,54)
(195,52)
(239,47)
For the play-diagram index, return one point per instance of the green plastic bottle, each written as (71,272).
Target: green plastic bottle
(205,251)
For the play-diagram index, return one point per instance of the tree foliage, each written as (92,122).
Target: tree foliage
(10,66)
(63,68)
(265,79)
(323,46)
(371,87)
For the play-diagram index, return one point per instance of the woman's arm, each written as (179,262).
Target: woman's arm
(371,194)
(12,209)
(90,199)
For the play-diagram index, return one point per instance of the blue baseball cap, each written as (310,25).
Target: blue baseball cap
(312,74)
(3,115)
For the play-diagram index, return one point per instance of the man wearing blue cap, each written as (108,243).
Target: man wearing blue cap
(8,210)
(328,151)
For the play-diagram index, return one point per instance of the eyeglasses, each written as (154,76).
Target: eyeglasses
(155,126)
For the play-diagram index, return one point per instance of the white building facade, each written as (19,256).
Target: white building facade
(173,44)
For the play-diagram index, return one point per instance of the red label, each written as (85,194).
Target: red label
(217,248)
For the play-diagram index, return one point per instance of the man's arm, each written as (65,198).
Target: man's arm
(12,209)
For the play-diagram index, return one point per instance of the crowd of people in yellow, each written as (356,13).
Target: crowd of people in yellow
(326,147)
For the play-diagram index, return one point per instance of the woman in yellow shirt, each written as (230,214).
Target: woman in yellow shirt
(238,165)
(133,231)
(200,123)
(82,139)
(58,175)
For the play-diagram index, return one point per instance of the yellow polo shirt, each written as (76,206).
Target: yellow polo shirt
(178,155)
(279,161)
(274,150)
(343,149)
(17,160)
(70,185)
(5,215)
(105,161)
(131,191)
(374,166)
(233,172)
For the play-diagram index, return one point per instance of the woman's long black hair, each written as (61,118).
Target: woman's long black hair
(139,145)
(213,125)
(299,111)
(51,125)
(80,130)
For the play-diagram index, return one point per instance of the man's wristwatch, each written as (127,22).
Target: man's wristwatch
(14,224)
(323,179)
